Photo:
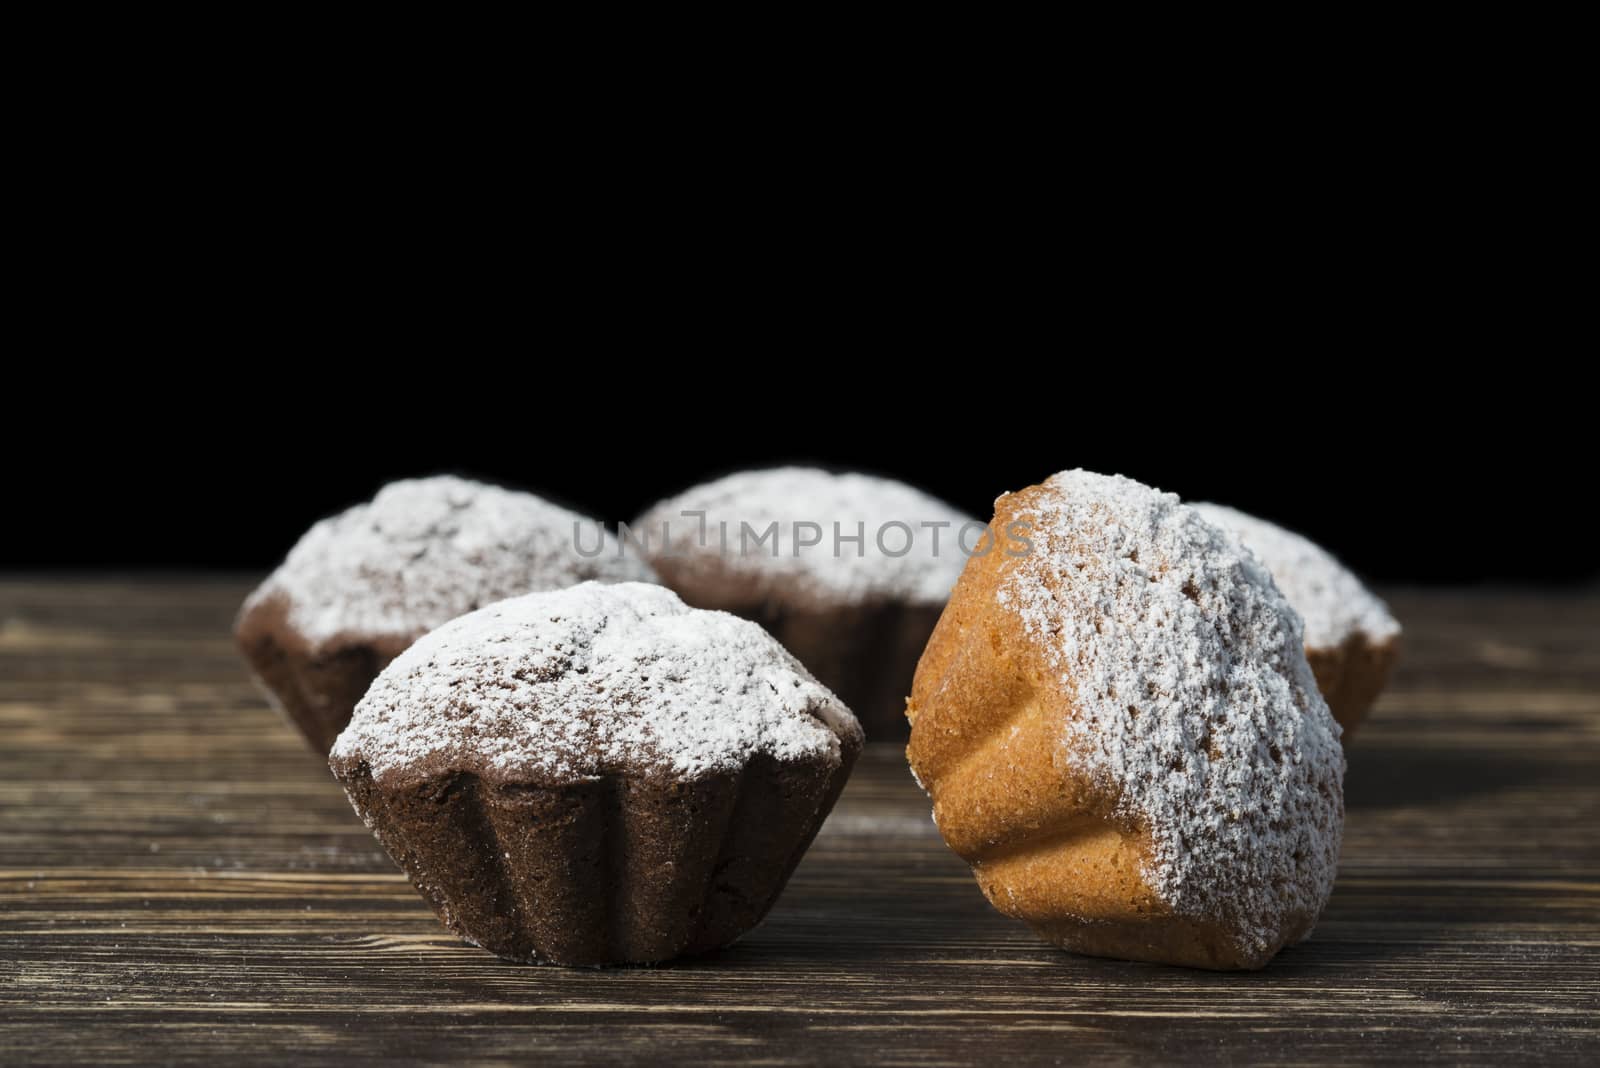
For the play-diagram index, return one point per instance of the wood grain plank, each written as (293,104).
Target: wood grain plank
(181,881)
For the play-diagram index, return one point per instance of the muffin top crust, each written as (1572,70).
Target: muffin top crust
(592,680)
(1188,694)
(1333,603)
(910,548)
(425,550)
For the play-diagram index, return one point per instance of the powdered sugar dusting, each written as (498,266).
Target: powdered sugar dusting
(859,504)
(424,551)
(1330,599)
(595,678)
(1194,700)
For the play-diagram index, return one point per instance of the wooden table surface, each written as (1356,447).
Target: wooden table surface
(181,880)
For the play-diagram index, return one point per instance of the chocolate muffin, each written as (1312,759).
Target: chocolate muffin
(1352,642)
(779,547)
(363,585)
(596,775)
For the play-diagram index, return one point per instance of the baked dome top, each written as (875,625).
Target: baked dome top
(860,504)
(592,680)
(1332,602)
(1190,698)
(425,550)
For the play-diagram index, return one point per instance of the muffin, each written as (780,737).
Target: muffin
(857,618)
(361,586)
(596,775)
(1120,733)
(1352,641)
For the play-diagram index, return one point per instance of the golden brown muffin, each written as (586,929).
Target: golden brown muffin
(1120,732)
(1352,641)
(361,586)
(596,775)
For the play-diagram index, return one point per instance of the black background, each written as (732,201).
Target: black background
(1367,326)
(1407,485)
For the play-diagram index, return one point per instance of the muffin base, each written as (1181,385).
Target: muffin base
(316,690)
(617,869)
(1351,676)
(1049,851)
(1163,940)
